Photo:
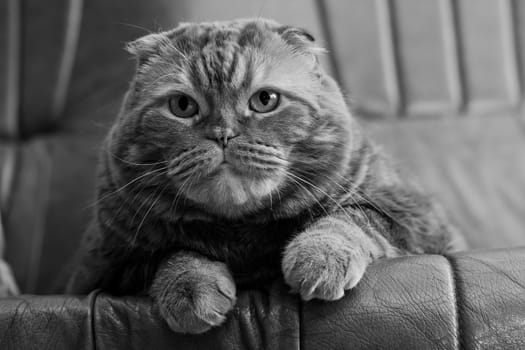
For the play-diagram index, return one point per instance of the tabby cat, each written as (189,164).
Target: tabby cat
(235,161)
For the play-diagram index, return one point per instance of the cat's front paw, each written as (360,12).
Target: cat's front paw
(319,266)
(197,299)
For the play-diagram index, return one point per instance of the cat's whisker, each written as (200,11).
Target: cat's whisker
(196,178)
(149,31)
(159,196)
(307,191)
(278,192)
(143,202)
(181,189)
(118,190)
(271,205)
(179,52)
(128,199)
(346,192)
(354,192)
(343,210)
(133,163)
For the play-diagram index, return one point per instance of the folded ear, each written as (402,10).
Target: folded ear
(300,39)
(147,46)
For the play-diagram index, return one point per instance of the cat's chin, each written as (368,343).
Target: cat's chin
(233,195)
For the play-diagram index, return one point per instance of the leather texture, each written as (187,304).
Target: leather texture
(63,73)
(466,301)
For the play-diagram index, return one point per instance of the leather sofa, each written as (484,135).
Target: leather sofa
(63,73)
(466,301)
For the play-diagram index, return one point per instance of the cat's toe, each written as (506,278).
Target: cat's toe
(198,313)
(197,302)
(318,268)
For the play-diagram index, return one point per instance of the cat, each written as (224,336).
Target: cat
(235,161)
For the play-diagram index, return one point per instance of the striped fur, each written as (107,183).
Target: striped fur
(304,194)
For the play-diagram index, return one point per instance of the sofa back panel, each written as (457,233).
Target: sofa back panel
(71,200)
(422,58)
(102,67)
(4,52)
(442,84)
(42,45)
(361,44)
(10,55)
(489,53)
(519,22)
(8,163)
(25,217)
(474,165)
(424,51)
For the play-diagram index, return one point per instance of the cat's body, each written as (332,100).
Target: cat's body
(235,161)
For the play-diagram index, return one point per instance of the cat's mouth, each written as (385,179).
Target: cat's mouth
(230,181)
(230,194)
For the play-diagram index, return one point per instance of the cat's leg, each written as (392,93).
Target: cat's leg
(192,292)
(330,257)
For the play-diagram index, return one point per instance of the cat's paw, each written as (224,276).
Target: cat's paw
(318,266)
(196,300)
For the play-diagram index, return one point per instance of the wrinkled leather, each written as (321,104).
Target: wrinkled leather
(465,301)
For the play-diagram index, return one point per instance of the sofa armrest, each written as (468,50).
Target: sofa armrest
(471,300)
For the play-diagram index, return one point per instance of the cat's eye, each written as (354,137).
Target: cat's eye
(264,101)
(183,106)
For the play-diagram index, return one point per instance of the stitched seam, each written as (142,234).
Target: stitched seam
(37,241)
(91,316)
(300,320)
(9,170)
(455,295)
(326,28)
(72,32)
(13,70)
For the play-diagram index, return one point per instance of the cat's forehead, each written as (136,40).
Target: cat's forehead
(227,56)
(243,32)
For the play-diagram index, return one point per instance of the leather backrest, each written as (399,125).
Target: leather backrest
(440,84)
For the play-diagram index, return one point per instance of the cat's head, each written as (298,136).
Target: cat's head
(241,113)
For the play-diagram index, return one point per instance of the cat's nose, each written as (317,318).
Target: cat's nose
(222,135)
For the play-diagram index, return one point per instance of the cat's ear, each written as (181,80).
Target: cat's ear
(300,39)
(147,47)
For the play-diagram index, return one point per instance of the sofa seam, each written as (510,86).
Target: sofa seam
(13,70)
(455,291)
(37,242)
(300,320)
(67,57)
(91,315)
